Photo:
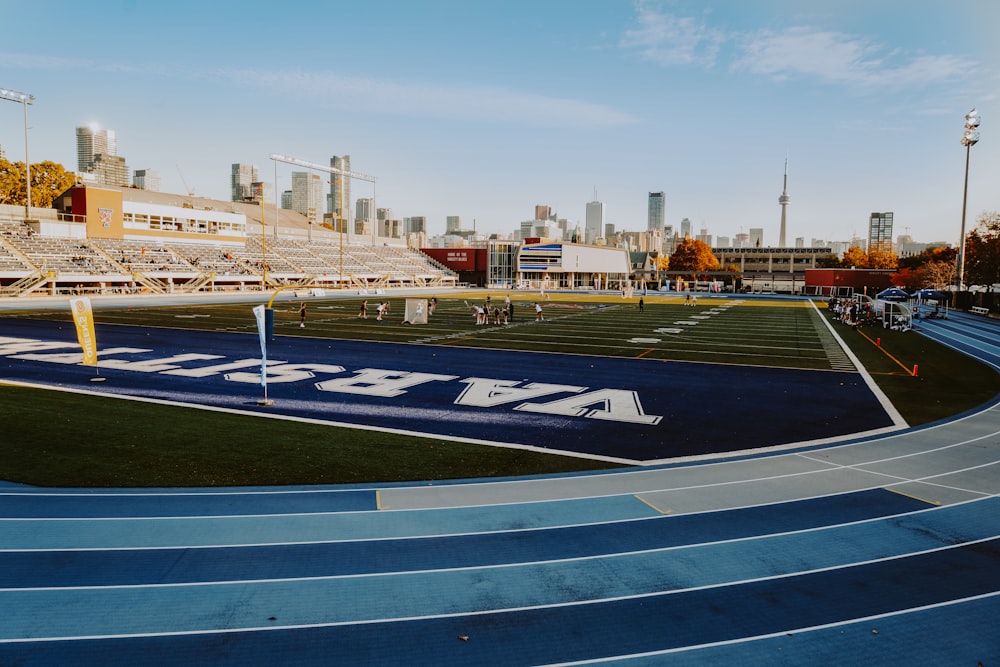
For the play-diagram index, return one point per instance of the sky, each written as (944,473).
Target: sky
(484,109)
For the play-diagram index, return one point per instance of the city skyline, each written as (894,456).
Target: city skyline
(486,111)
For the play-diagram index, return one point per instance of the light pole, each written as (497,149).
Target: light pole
(969,140)
(25,99)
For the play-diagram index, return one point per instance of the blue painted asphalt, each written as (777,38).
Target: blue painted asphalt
(653,622)
(27,569)
(63,505)
(973,335)
(849,579)
(621,409)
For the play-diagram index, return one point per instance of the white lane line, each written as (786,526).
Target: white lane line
(484,612)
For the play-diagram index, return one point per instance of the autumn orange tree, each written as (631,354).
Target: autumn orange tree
(982,251)
(853,256)
(934,267)
(693,256)
(877,258)
(48,181)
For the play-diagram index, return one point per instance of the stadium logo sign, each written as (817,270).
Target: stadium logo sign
(609,404)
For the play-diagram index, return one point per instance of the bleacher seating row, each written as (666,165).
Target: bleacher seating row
(165,266)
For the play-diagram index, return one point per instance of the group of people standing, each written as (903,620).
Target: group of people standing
(489,312)
(850,312)
(381,310)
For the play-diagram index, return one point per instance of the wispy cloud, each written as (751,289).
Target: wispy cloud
(471,103)
(672,40)
(797,52)
(838,58)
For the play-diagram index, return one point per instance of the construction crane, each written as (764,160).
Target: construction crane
(187,187)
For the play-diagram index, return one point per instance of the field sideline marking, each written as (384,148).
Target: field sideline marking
(880,396)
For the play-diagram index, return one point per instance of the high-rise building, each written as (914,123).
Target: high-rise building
(880,231)
(594,225)
(543,212)
(756,237)
(415,224)
(307,195)
(97,153)
(657,211)
(243,178)
(339,199)
(363,216)
(3,155)
(453,224)
(90,142)
(146,179)
(110,170)
(685,228)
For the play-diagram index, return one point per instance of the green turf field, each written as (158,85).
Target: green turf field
(150,445)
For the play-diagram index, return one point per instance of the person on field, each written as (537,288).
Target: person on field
(302,315)
(538,312)
(363,313)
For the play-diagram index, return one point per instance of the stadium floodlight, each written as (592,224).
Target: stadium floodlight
(969,139)
(340,172)
(25,99)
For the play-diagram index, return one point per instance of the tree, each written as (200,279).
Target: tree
(694,256)
(934,267)
(982,251)
(48,181)
(828,262)
(662,263)
(879,258)
(909,279)
(853,256)
(939,254)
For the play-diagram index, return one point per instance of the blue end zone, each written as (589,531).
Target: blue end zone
(620,409)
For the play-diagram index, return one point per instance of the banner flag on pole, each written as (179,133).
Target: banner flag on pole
(83,318)
(258,312)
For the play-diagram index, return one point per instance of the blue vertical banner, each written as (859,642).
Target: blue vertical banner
(258,312)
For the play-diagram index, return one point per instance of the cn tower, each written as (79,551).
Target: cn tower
(783,201)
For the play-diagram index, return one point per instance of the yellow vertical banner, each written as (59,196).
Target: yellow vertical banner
(83,318)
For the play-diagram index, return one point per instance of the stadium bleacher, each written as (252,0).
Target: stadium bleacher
(74,264)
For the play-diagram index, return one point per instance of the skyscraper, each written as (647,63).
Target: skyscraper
(91,142)
(339,200)
(243,178)
(307,195)
(146,179)
(594,225)
(97,153)
(783,201)
(685,228)
(415,224)
(657,211)
(880,231)
(543,212)
(364,215)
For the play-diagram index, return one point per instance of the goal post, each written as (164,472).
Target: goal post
(416,311)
